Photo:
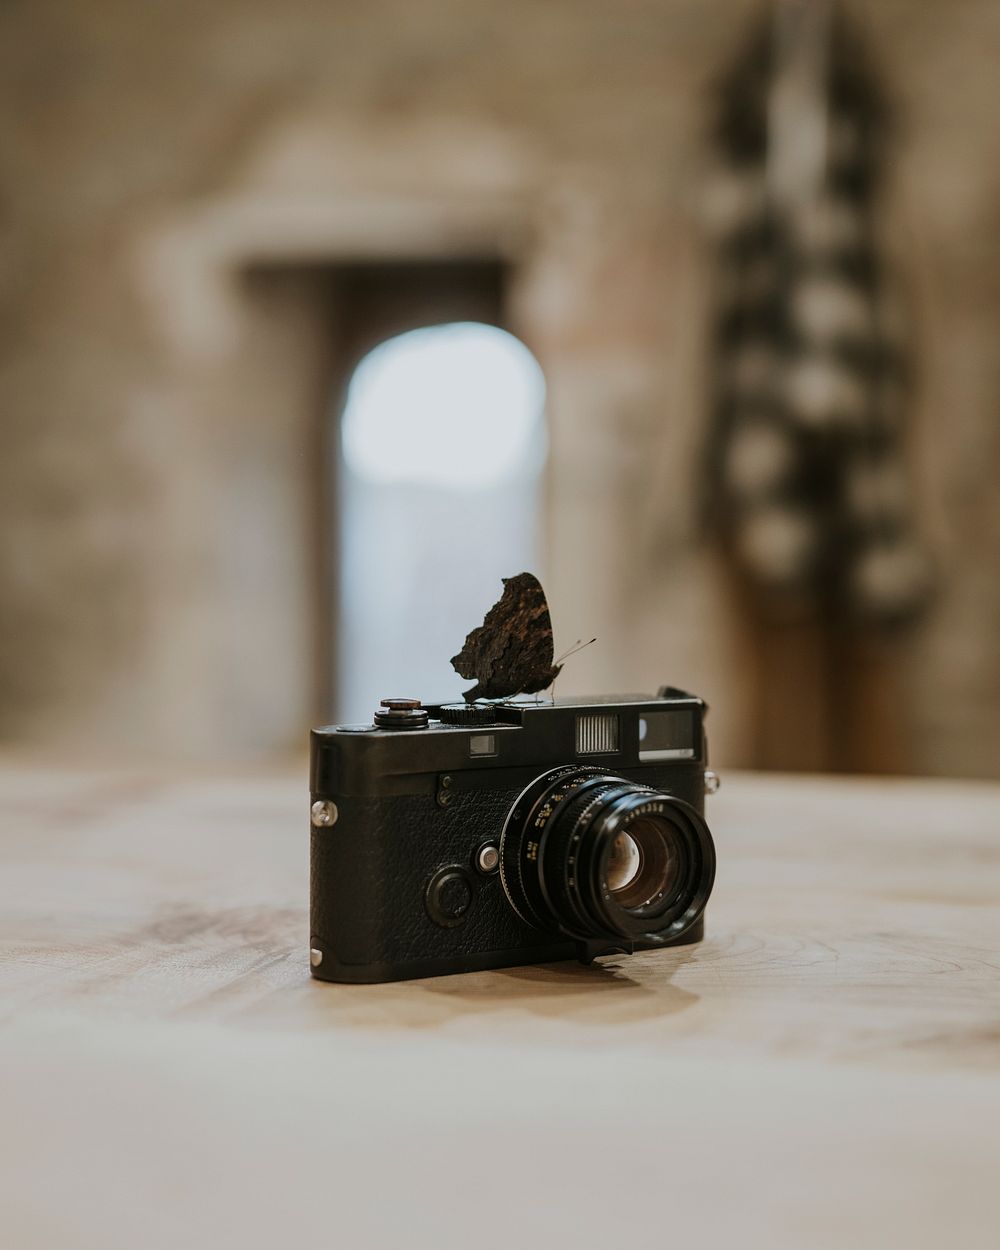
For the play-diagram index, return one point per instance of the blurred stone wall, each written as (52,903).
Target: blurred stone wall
(157,491)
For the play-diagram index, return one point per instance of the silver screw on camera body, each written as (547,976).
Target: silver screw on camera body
(712,781)
(324,813)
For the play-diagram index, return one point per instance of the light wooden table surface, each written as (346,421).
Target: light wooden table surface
(824,1071)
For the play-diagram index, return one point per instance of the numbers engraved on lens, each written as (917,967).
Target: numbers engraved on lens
(532,850)
(550,805)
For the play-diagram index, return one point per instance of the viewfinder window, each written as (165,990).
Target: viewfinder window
(666,736)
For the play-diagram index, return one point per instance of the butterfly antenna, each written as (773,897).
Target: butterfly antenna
(577,646)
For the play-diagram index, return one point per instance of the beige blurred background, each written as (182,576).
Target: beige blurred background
(210,212)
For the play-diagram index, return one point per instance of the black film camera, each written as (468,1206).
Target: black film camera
(457,837)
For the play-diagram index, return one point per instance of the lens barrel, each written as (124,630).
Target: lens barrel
(593,855)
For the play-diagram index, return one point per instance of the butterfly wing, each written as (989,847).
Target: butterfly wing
(512,651)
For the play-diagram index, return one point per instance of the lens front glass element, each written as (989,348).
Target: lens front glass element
(644,864)
(624,862)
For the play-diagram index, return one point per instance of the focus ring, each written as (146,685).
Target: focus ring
(515,843)
(560,872)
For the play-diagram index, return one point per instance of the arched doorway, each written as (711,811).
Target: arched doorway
(442,444)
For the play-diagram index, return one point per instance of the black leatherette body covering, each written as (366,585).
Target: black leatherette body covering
(370,870)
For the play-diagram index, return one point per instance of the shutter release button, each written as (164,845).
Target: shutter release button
(401,714)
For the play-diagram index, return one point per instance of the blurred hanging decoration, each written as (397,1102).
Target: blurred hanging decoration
(808,480)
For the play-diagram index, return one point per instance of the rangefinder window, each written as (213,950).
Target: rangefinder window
(667,735)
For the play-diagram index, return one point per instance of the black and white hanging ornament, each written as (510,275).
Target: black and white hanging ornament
(811,373)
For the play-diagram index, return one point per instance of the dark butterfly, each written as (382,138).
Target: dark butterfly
(512,651)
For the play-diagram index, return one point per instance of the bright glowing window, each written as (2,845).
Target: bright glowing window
(443,443)
(456,406)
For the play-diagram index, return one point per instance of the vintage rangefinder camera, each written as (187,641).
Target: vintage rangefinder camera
(456,837)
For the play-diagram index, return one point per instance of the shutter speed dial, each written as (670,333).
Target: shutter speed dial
(468,714)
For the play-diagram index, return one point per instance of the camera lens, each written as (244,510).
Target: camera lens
(594,855)
(643,864)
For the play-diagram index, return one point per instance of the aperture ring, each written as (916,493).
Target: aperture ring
(546,818)
(519,852)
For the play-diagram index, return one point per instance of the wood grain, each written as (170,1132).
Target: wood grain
(821,1071)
